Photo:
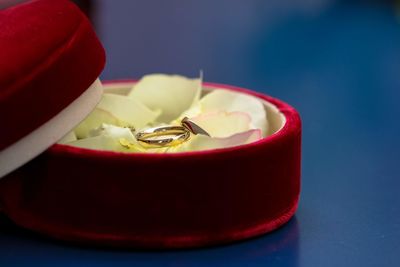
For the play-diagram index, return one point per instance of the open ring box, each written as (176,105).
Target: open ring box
(176,200)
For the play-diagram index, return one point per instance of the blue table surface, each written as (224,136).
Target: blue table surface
(337,62)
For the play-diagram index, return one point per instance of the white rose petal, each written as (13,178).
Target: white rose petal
(69,137)
(128,111)
(102,142)
(172,94)
(109,138)
(93,121)
(115,132)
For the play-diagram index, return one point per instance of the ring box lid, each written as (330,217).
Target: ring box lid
(50,62)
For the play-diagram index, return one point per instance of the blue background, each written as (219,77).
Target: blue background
(337,62)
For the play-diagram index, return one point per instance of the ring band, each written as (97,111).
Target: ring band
(163,136)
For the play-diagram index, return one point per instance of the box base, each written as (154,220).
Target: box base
(161,201)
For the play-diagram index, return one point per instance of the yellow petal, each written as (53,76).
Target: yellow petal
(93,121)
(172,94)
(115,132)
(157,150)
(69,137)
(101,142)
(224,100)
(128,111)
(109,138)
(223,124)
(123,135)
(202,142)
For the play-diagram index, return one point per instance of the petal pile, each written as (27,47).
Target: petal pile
(230,118)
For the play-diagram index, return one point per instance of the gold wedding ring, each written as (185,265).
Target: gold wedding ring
(170,135)
(163,136)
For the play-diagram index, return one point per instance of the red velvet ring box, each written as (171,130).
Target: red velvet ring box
(139,200)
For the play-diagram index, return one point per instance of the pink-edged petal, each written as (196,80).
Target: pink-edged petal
(228,101)
(202,142)
(223,124)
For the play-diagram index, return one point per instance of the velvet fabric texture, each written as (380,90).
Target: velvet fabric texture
(49,56)
(160,201)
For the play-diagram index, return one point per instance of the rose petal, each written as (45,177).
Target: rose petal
(223,124)
(128,111)
(115,132)
(224,100)
(123,135)
(173,94)
(101,142)
(202,142)
(93,121)
(157,150)
(109,138)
